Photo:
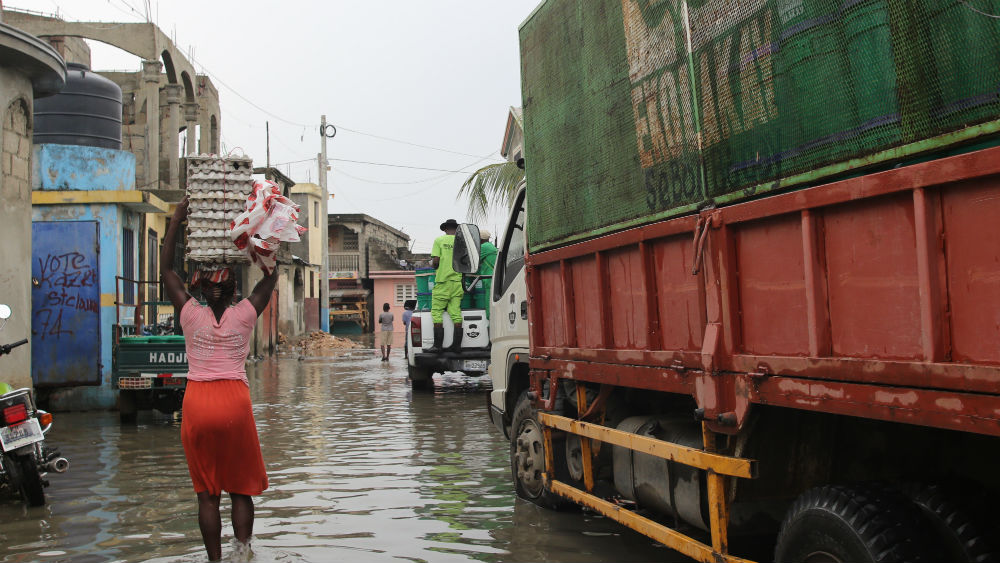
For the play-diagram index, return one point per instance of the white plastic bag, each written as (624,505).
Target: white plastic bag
(270,219)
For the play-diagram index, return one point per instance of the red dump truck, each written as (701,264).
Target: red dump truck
(761,278)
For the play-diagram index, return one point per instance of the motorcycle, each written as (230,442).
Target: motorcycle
(25,458)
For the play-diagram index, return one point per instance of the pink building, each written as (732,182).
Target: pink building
(394,288)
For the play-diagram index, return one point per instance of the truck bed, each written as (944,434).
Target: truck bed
(874,297)
(474,357)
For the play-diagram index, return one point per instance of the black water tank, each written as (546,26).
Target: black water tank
(87,111)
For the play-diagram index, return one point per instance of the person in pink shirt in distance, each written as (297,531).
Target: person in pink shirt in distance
(218,429)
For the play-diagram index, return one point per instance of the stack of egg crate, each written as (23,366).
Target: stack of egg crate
(218,188)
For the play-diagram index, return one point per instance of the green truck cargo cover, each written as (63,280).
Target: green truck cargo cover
(639,110)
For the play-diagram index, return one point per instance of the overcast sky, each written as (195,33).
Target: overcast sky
(430,72)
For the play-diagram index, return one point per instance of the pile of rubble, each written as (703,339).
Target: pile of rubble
(321,341)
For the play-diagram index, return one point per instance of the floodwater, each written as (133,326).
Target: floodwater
(360,467)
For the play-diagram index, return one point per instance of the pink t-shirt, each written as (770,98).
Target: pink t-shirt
(217,350)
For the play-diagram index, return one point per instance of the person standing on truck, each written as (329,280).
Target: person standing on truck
(447,292)
(218,430)
(487,261)
(385,320)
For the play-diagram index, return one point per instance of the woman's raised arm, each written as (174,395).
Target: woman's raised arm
(172,282)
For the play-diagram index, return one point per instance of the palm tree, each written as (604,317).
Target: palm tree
(491,187)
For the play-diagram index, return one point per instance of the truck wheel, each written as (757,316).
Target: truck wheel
(31,487)
(833,524)
(128,411)
(421,379)
(527,456)
(959,535)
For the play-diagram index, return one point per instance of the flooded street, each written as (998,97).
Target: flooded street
(361,469)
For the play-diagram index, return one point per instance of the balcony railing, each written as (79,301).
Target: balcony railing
(345,261)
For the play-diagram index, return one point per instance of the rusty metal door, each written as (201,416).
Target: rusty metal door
(311,314)
(65,303)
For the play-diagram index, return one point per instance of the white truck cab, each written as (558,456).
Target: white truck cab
(508,356)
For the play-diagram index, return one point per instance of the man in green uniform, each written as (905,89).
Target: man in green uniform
(447,292)
(487,261)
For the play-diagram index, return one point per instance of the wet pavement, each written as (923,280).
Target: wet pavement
(360,467)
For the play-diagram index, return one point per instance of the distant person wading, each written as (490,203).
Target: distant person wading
(218,429)
(385,320)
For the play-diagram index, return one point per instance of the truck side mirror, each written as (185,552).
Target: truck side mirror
(465,257)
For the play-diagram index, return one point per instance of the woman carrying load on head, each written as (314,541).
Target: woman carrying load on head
(218,429)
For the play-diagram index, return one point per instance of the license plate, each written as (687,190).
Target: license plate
(475,365)
(22,434)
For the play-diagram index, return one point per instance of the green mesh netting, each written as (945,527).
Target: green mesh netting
(617,94)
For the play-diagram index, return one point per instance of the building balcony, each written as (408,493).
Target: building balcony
(345,262)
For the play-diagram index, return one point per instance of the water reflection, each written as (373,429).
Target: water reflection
(361,469)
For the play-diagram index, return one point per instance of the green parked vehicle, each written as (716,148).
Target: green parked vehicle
(148,370)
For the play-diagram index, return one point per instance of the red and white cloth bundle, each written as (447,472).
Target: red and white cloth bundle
(213,275)
(270,218)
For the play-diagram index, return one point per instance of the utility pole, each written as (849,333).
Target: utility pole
(267,143)
(324,290)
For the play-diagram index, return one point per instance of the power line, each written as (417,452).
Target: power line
(355,131)
(351,176)
(460,171)
(304,125)
(130,8)
(405,142)
(244,98)
(398,165)
(428,187)
(295,161)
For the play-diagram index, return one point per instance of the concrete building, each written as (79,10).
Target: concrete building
(86,233)
(512,147)
(161,102)
(164,99)
(165,103)
(359,244)
(308,253)
(29,68)
(394,287)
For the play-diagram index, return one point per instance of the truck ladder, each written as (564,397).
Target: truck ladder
(717,466)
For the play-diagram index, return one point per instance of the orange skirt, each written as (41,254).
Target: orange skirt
(220,438)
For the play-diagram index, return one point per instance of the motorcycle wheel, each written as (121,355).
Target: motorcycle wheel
(31,487)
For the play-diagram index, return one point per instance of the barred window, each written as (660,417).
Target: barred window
(350,240)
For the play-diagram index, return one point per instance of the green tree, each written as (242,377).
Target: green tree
(491,188)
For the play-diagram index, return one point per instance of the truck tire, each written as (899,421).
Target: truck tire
(128,410)
(852,525)
(421,379)
(959,535)
(169,402)
(527,457)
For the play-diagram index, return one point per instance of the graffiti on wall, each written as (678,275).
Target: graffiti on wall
(66,283)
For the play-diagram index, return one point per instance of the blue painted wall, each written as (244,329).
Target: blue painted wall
(68,167)
(112,219)
(71,167)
